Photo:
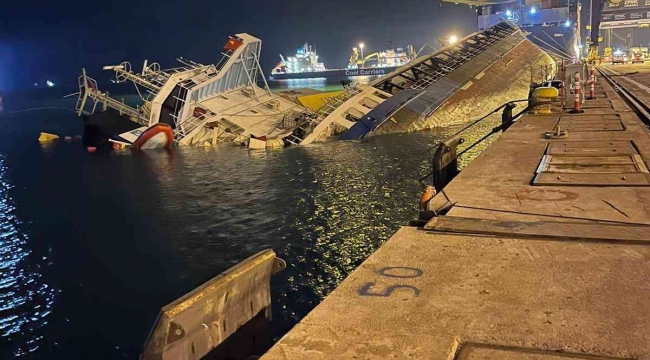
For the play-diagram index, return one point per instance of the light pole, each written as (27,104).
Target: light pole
(363,61)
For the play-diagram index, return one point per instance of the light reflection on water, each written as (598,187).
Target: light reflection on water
(132,232)
(25,299)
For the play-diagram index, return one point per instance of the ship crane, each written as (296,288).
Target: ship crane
(596,13)
(354,58)
(379,57)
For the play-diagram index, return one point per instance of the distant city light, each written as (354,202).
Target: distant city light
(452,39)
(567,23)
(533,10)
(361,46)
(508,13)
(49,83)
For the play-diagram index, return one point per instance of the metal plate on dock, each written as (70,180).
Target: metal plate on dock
(599,116)
(592,163)
(591,148)
(586,179)
(619,164)
(597,104)
(490,352)
(583,123)
(541,229)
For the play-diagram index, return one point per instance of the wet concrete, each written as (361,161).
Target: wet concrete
(469,291)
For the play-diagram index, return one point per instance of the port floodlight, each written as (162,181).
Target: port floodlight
(567,23)
(49,83)
(354,49)
(452,39)
(533,10)
(508,13)
(362,45)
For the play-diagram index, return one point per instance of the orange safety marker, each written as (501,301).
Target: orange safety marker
(592,87)
(576,92)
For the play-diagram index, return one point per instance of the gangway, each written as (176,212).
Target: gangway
(88,89)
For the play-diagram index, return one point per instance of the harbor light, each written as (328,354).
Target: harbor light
(508,13)
(567,23)
(452,39)
(533,10)
(49,83)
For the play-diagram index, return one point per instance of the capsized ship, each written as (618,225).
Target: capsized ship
(305,64)
(210,104)
(197,104)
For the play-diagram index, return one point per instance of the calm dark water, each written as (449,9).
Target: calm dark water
(92,245)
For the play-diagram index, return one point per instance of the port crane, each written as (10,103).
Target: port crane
(596,13)
(380,57)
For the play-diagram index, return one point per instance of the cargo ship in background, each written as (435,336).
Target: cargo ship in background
(305,64)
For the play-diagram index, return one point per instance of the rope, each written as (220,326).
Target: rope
(492,132)
(40,108)
(473,123)
(558,52)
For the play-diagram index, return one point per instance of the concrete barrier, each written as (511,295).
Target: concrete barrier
(201,321)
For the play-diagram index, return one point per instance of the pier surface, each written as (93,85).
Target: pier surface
(545,254)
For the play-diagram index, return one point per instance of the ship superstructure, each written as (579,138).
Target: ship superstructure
(305,64)
(304,61)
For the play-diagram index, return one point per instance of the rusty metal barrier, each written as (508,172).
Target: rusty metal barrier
(202,320)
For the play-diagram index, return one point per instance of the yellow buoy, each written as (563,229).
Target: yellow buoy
(47,137)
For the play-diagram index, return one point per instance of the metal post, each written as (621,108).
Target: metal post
(85,93)
(259,67)
(250,81)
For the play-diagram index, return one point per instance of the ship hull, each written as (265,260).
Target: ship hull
(340,73)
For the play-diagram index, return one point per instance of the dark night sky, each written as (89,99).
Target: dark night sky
(54,39)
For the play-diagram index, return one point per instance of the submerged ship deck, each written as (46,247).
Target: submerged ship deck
(529,263)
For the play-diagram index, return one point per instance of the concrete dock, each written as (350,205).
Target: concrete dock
(545,254)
